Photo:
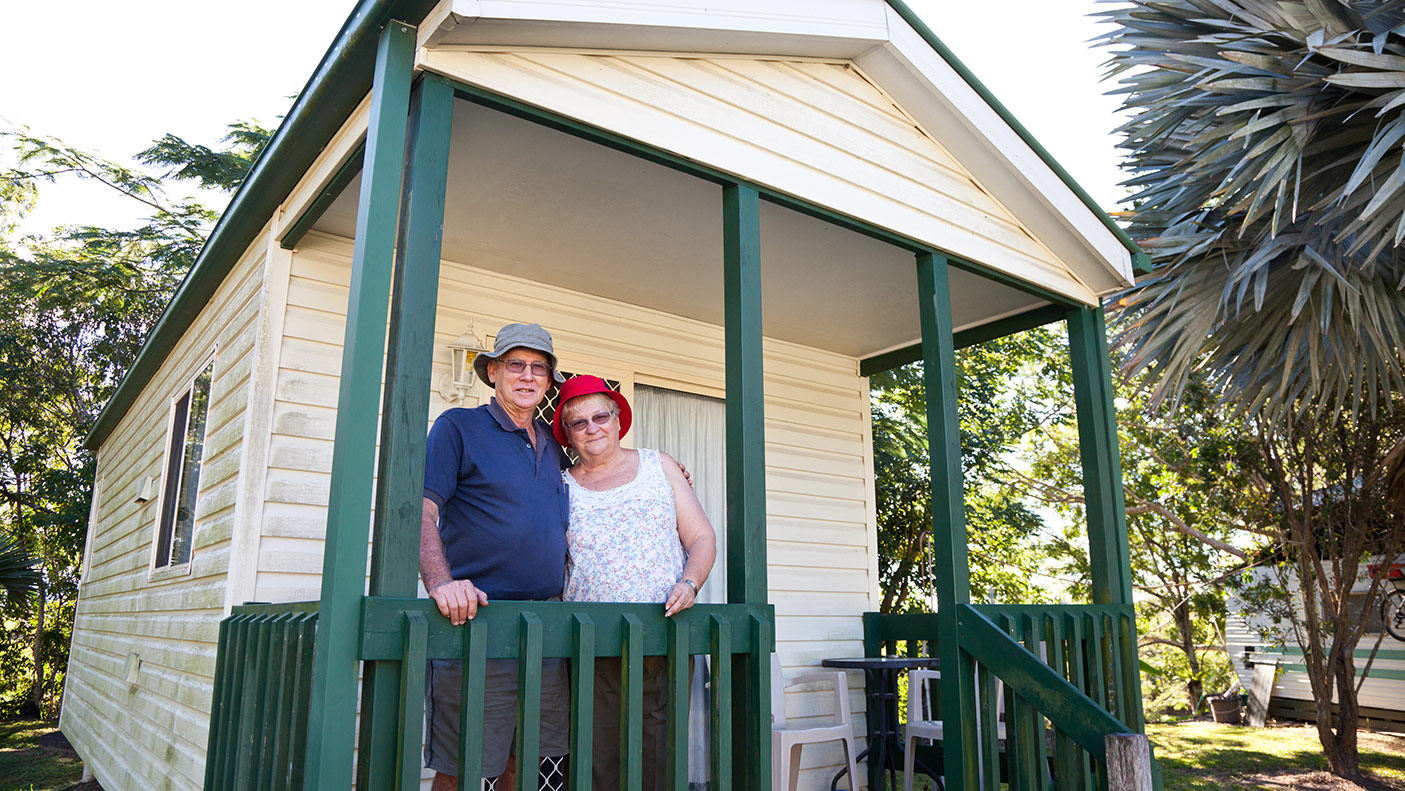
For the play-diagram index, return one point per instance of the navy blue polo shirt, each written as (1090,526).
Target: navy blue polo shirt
(502,504)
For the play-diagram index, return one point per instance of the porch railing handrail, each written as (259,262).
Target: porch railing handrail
(384,627)
(1066,706)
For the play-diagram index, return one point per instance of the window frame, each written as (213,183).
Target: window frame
(156,569)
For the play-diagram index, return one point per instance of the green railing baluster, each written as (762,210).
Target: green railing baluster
(412,683)
(473,680)
(721,704)
(1017,742)
(582,701)
(759,706)
(679,681)
(989,729)
(307,662)
(1097,667)
(632,704)
(278,767)
(268,731)
(1129,674)
(219,708)
(1078,676)
(1039,747)
(529,703)
(250,715)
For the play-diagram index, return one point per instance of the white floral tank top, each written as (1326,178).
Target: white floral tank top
(622,543)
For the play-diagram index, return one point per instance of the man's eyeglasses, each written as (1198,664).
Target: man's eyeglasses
(518,366)
(599,418)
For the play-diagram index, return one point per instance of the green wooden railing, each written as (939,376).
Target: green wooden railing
(258,717)
(258,731)
(1070,680)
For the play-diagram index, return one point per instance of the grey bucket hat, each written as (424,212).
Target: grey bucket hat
(514,336)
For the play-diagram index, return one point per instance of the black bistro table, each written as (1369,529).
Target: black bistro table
(885,743)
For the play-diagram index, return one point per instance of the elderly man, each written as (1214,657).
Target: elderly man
(494,527)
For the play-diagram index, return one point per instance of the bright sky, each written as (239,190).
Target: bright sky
(114,76)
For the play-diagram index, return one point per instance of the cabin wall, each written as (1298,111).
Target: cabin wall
(821,545)
(148,730)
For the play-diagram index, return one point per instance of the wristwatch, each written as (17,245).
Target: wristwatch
(692,585)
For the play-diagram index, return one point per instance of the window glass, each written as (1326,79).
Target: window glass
(182,478)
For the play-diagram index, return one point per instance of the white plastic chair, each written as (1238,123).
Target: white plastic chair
(786,739)
(922,722)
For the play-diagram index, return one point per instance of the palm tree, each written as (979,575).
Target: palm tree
(19,572)
(1265,147)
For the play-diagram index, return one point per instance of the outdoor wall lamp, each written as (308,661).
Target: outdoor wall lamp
(458,383)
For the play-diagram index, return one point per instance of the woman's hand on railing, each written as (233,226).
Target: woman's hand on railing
(458,600)
(680,598)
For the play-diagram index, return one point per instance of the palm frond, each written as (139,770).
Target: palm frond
(1265,155)
(19,571)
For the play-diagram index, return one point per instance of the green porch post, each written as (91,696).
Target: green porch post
(746,475)
(953,575)
(1110,556)
(405,411)
(332,714)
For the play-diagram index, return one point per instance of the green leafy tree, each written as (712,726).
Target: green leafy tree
(1186,482)
(1002,392)
(1265,147)
(75,305)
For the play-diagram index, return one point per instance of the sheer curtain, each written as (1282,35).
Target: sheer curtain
(693,429)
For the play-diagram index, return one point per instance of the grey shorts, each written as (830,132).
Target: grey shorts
(441,713)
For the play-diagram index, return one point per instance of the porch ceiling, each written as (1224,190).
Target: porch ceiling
(543,205)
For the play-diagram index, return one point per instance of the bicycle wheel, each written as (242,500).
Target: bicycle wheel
(1393,613)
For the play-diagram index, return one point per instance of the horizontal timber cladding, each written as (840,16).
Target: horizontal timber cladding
(140,671)
(820,131)
(819,488)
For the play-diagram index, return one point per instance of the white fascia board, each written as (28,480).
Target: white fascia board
(929,89)
(813,28)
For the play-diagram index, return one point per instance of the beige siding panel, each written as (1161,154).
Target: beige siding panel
(818,483)
(817,130)
(152,733)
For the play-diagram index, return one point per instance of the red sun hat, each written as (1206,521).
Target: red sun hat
(585,385)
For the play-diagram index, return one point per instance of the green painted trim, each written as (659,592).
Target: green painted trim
(1140,260)
(1392,654)
(570,126)
(746,408)
(1066,706)
(949,561)
(1376,672)
(318,206)
(1109,554)
(339,83)
(383,625)
(399,484)
(332,720)
(999,328)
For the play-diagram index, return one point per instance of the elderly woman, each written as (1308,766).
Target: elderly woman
(636,533)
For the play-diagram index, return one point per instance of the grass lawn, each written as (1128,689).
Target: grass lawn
(30,761)
(1205,756)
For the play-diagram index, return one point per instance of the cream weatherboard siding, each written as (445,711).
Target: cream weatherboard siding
(819,130)
(823,570)
(1383,687)
(149,732)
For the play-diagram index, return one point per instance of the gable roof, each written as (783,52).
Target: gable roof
(339,83)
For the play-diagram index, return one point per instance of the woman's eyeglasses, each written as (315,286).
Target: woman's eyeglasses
(599,418)
(518,366)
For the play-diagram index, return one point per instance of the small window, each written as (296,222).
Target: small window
(185,450)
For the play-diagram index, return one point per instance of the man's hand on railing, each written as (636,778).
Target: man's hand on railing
(458,600)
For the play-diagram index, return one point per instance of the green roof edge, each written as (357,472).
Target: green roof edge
(341,80)
(339,83)
(1141,262)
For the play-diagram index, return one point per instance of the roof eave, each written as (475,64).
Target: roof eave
(1141,262)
